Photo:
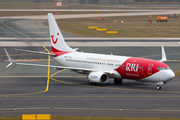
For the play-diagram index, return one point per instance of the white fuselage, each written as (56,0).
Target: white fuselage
(97,62)
(125,67)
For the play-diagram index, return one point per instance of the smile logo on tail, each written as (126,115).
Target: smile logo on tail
(52,36)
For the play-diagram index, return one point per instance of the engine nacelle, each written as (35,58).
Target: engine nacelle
(98,77)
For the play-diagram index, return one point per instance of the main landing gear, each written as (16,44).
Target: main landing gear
(91,83)
(118,81)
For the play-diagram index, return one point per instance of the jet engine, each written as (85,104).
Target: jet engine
(98,77)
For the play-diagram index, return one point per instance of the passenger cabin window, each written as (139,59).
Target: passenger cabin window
(110,64)
(89,62)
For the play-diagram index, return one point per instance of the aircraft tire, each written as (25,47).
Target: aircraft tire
(158,87)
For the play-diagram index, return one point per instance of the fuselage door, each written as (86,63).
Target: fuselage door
(150,69)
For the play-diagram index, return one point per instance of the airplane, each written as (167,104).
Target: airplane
(100,67)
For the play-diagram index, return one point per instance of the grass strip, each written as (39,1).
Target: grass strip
(177,73)
(132,26)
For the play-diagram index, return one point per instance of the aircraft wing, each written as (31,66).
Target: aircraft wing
(80,70)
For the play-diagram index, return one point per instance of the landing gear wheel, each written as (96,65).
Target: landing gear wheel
(158,87)
(117,81)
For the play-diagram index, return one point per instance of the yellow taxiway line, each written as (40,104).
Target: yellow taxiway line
(47,86)
(50,77)
(49,59)
(114,88)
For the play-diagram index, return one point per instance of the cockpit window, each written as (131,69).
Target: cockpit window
(163,68)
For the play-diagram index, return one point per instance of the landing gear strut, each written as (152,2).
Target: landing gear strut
(158,87)
(118,81)
(91,83)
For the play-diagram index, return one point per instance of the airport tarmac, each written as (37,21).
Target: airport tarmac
(34,90)
(30,90)
(23,32)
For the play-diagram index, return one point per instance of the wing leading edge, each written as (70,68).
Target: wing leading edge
(52,66)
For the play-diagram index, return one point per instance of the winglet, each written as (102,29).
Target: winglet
(9,58)
(163,55)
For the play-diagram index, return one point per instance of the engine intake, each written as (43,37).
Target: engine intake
(98,77)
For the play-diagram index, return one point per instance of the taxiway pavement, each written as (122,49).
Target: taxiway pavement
(21,32)
(30,90)
(25,87)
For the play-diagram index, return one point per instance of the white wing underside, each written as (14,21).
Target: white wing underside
(83,70)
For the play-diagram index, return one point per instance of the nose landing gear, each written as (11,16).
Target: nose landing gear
(158,87)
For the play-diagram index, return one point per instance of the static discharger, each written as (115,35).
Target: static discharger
(112,31)
(101,29)
(92,27)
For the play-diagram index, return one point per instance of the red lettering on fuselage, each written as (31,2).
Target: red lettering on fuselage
(132,67)
(139,68)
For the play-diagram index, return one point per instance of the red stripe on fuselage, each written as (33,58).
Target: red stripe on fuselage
(55,50)
(58,52)
(139,68)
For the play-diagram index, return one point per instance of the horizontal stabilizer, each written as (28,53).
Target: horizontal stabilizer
(37,52)
(9,58)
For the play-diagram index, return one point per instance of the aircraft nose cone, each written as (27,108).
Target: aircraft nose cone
(170,74)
